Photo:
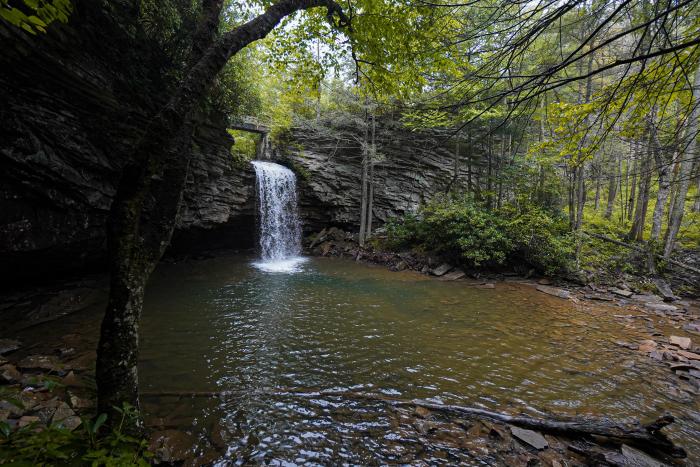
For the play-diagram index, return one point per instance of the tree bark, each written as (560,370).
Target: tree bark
(612,187)
(663,170)
(640,212)
(137,236)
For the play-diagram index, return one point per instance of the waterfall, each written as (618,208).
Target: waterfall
(280,229)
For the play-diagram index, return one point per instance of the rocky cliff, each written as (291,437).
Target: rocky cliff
(72,104)
(411,168)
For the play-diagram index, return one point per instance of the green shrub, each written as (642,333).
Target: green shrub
(475,236)
(56,445)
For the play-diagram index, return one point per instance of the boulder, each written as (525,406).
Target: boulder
(660,306)
(622,293)
(454,275)
(636,458)
(8,345)
(441,270)
(171,446)
(561,293)
(9,374)
(529,437)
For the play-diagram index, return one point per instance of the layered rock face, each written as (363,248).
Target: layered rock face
(411,168)
(71,105)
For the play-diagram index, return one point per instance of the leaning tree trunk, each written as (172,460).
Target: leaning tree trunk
(137,235)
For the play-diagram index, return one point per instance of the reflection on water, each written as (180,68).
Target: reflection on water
(222,326)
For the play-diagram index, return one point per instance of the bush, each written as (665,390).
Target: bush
(476,237)
(35,444)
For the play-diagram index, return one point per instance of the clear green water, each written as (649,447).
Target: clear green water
(221,325)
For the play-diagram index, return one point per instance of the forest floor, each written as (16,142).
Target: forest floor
(54,377)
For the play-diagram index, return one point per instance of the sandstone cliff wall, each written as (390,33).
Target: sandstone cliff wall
(71,105)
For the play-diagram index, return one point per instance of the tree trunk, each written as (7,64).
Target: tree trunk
(137,236)
(685,173)
(612,188)
(640,212)
(633,183)
(663,170)
(363,178)
(373,156)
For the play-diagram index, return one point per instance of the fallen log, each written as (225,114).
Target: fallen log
(647,437)
(642,250)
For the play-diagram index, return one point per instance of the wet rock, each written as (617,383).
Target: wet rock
(682,342)
(71,423)
(8,345)
(171,445)
(646,298)
(529,437)
(622,293)
(441,270)
(40,362)
(647,345)
(71,380)
(454,275)
(692,327)
(425,269)
(9,374)
(27,420)
(603,298)
(663,288)
(423,412)
(486,286)
(637,458)
(561,293)
(660,306)
(10,408)
(544,281)
(401,266)
(61,413)
(326,248)
(688,355)
(80,403)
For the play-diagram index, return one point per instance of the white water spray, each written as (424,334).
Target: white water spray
(280,229)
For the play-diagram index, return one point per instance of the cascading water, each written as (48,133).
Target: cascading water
(280,229)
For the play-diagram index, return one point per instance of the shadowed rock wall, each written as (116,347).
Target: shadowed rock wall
(72,102)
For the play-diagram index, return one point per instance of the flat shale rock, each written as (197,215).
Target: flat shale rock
(441,270)
(622,293)
(529,437)
(454,275)
(636,458)
(561,293)
(40,362)
(660,306)
(682,342)
(8,345)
